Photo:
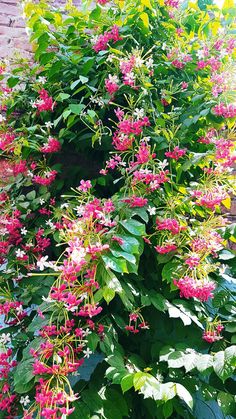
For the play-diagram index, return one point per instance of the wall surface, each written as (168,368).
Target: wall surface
(12,29)
(13,36)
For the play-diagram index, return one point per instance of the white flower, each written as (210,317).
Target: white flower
(41,201)
(94,39)
(79,210)
(23,231)
(151,210)
(145,92)
(48,124)
(2,118)
(33,104)
(42,263)
(25,400)
(223,53)
(64,206)
(222,269)
(77,255)
(113,79)
(72,397)
(164,46)
(19,310)
(149,63)
(5,338)
(50,224)
(47,299)
(42,79)
(146,139)
(57,359)
(87,353)
(20,253)
(138,62)
(139,113)
(30,174)
(163,164)
(200,54)
(86,332)
(110,58)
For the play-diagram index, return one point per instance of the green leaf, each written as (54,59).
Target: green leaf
(76,109)
(226,402)
(23,374)
(224,363)
(127,382)
(13,81)
(130,244)
(134,227)
(139,379)
(226,255)
(63,96)
(83,79)
(176,359)
(127,256)
(167,409)
(117,265)
(93,340)
(220,299)
(204,362)
(108,294)
(158,301)
(184,394)
(169,270)
(74,84)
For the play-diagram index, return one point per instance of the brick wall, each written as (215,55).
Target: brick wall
(12,29)
(13,36)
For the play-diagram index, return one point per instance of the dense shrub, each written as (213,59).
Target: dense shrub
(117,289)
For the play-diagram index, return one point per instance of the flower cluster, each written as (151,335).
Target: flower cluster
(227,111)
(213,332)
(45,102)
(102,42)
(136,322)
(52,146)
(195,288)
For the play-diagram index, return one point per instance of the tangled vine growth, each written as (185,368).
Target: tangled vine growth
(117,295)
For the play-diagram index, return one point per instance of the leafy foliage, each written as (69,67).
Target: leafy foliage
(131,271)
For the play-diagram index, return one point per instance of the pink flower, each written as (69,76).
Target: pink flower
(143,155)
(172,3)
(103,40)
(227,111)
(169,224)
(45,180)
(102,1)
(212,198)
(111,84)
(178,64)
(45,102)
(184,85)
(195,288)
(52,146)
(119,240)
(85,185)
(165,248)
(192,261)
(176,153)
(179,31)
(201,65)
(135,201)
(20,167)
